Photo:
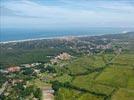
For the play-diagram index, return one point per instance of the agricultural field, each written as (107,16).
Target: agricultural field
(111,81)
(98,68)
(85,63)
(123,94)
(70,94)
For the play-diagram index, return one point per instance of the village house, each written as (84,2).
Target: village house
(15,81)
(54,61)
(30,65)
(26,65)
(37,71)
(3,71)
(13,69)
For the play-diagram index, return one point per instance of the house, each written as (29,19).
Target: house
(14,81)
(3,71)
(30,65)
(37,71)
(26,65)
(13,69)
(54,61)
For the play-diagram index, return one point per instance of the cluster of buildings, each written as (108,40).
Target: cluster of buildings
(13,69)
(63,56)
(108,46)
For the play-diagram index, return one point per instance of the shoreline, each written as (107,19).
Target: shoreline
(58,37)
(45,38)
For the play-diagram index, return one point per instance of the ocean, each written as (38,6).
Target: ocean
(24,34)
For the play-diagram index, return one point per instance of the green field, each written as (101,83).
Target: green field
(107,82)
(123,94)
(99,68)
(85,63)
(70,94)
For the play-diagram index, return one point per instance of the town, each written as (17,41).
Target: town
(65,68)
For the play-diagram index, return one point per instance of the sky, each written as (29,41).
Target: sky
(53,14)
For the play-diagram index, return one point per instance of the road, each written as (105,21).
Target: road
(3,87)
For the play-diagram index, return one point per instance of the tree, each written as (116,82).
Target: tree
(38,93)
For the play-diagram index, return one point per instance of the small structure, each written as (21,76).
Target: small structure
(14,81)
(37,71)
(30,65)
(3,71)
(13,69)
(27,65)
(54,61)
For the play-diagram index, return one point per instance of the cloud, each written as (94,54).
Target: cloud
(119,7)
(28,13)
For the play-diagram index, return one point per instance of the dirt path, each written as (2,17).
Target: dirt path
(3,87)
(48,93)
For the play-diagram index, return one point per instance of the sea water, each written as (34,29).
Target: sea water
(24,34)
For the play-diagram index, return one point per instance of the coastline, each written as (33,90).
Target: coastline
(45,38)
(58,37)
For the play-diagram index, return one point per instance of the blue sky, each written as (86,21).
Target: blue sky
(49,14)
